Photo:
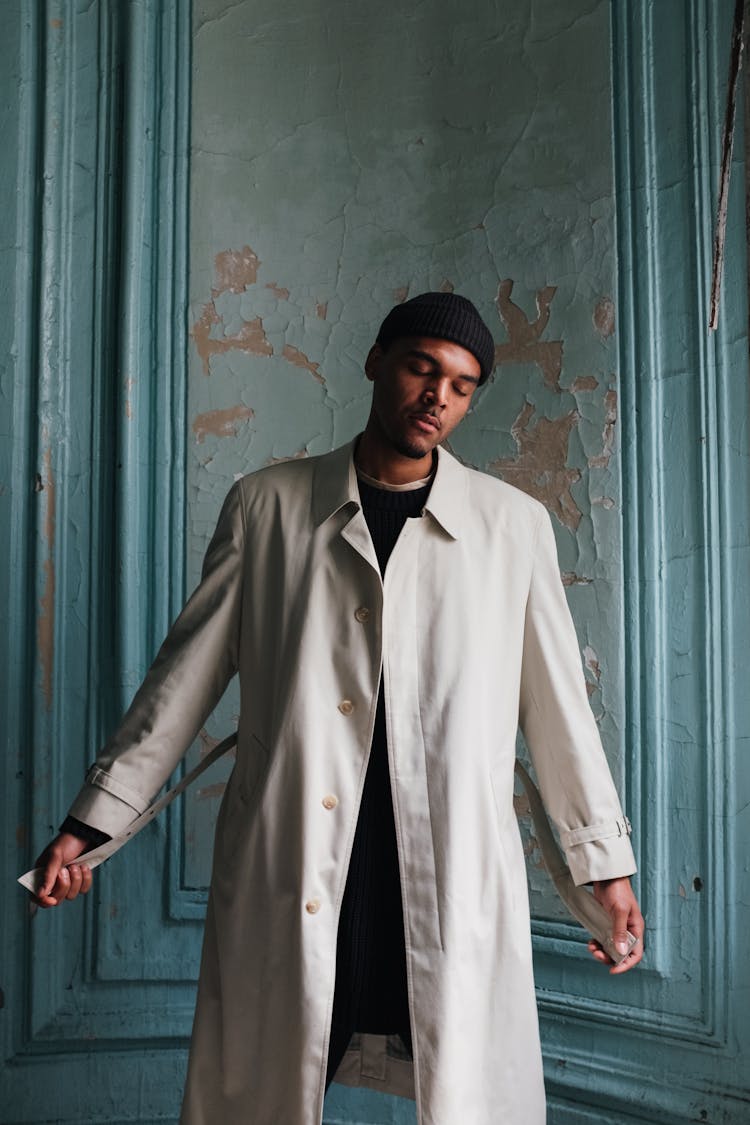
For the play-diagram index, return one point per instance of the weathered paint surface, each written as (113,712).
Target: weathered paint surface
(336,204)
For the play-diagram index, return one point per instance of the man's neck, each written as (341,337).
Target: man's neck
(389,466)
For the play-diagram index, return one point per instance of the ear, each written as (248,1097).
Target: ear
(372,362)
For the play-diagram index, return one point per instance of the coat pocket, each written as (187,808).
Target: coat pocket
(512,865)
(244,792)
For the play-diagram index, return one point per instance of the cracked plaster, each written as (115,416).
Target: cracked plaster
(482,165)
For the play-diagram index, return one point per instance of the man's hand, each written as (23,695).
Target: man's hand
(60,881)
(617,898)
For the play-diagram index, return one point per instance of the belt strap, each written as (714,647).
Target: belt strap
(32,880)
(580,902)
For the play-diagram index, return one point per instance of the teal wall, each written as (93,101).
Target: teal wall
(557,164)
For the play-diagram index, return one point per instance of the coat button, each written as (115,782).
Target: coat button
(313,906)
(330,801)
(346,706)
(362,614)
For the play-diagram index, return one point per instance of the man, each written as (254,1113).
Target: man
(392,616)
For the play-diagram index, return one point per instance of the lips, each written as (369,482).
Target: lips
(428,423)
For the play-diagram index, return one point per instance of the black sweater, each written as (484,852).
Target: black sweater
(371,992)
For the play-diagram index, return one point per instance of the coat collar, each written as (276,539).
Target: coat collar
(335,486)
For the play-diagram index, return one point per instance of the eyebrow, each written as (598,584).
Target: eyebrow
(418,354)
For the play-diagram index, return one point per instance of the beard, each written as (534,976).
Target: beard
(409,448)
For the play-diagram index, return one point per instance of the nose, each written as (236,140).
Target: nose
(435,393)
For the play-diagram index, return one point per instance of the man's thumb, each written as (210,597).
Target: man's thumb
(620,930)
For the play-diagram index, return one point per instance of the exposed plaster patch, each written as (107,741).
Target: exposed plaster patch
(601,461)
(220,423)
(208,742)
(604,317)
(446,286)
(295,457)
(214,790)
(46,620)
(251,337)
(278,290)
(530,848)
(584,383)
(321,309)
(129,384)
(681,891)
(540,468)
(524,344)
(592,665)
(400,294)
(299,359)
(605,502)
(570,578)
(235,270)
(521,806)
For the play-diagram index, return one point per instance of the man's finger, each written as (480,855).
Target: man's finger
(75,881)
(51,871)
(620,928)
(87,878)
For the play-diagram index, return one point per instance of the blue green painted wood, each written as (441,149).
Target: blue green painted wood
(113,465)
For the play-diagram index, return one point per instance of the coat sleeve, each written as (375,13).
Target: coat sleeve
(188,677)
(561,733)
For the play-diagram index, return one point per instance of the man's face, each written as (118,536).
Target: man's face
(422,389)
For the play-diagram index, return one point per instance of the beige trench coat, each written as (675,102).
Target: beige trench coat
(473,631)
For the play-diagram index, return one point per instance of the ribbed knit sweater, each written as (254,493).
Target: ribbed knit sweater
(371,991)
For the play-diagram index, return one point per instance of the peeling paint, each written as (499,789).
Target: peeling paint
(681,891)
(251,338)
(299,359)
(220,423)
(601,461)
(570,578)
(540,468)
(129,384)
(46,619)
(584,383)
(295,457)
(521,806)
(278,290)
(209,791)
(321,310)
(400,294)
(604,317)
(235,270)
(592,665)
(524,344)
(446,286)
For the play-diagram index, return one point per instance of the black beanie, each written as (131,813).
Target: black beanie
(446,316)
